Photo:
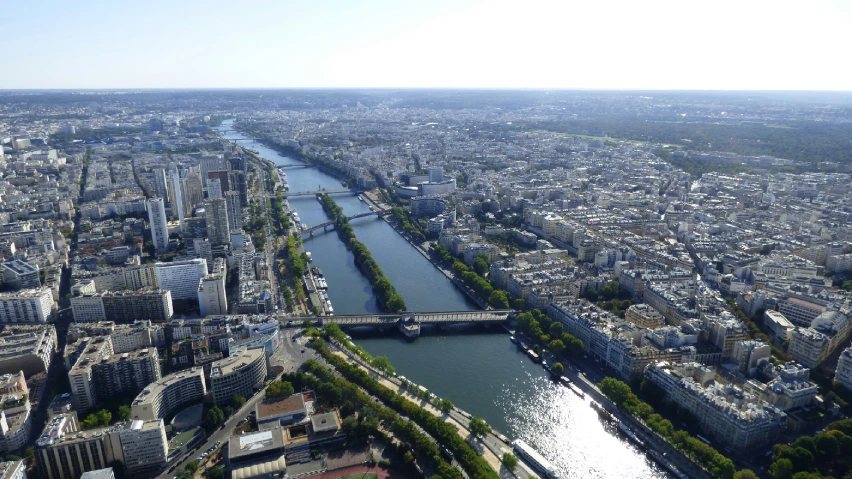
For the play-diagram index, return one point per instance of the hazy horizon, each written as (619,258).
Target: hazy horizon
(612,45)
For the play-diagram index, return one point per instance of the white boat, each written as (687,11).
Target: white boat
(627,432)
(534,458)
(577,391)
(308,254)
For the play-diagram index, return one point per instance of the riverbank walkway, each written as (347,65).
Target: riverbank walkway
(490,447)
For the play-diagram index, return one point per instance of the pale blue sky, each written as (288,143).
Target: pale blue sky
(630,44)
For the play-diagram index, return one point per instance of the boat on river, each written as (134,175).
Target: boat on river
(577,390)
(513,339)
(661,460)
(534,458)
(630,434)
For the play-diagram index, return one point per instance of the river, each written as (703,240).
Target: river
(483,374)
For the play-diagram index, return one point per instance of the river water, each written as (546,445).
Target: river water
(483,373)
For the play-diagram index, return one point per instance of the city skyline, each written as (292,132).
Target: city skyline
(656,45)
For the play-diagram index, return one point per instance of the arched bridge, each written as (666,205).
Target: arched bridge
(359,215)
(445,318)
(317,192)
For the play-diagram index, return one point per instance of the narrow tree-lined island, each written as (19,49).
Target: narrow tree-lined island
(386,294)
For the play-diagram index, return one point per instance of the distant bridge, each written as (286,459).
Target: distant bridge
(440,318)
(359,215)
(295,166)
(287,194)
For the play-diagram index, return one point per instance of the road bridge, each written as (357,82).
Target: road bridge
(439,318)
(328,224)
(282,167)
(287,194)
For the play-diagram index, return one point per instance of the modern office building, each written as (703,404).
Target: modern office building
(240,373)
(169,394)
(427,206)
(258,454)
(218,223)
(211,294)
(159,224)
(181,277)
(27,306)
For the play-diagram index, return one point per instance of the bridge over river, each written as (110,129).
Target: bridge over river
(409,322)
(328,224)
(288,194)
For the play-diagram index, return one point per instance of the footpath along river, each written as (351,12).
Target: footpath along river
(483,373)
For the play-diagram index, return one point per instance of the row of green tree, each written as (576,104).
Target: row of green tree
(115,411)
(282,220)
(825,455)
(298,267)
(716,464)
(410,225)
(473,278)
(215,416)
(444,433)
(549,334)
(388,297)
(350,398)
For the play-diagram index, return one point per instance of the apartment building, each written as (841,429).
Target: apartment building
(27,348)
(150,304)
(239,373)
(737,419)
(159,224)
(125,373)
(64,452)
(211,295)
(144,447)
(19,274)
(843,373)
(27,306)
(181,277)
(644,316)
(812,345)
(168,395)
